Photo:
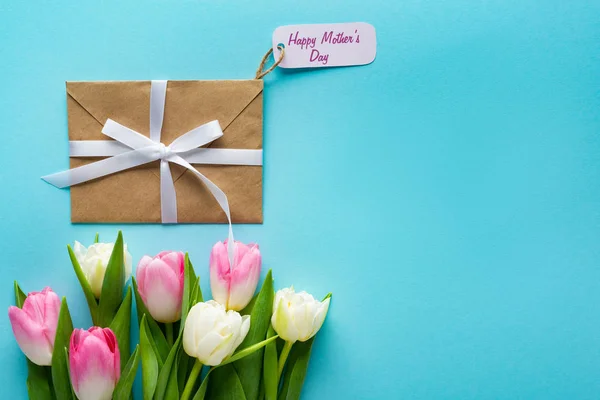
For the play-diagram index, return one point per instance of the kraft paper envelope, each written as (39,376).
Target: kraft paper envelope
(134,195)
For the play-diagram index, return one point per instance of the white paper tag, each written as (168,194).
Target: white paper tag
(325,45)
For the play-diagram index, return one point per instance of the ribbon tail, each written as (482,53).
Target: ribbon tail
(218,194)
(99,169)
(168,197)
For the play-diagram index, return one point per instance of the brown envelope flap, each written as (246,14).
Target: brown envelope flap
(189,104)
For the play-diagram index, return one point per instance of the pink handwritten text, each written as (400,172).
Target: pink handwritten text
(303,42)
(329,38)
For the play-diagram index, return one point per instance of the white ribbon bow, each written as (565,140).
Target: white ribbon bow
(132,149)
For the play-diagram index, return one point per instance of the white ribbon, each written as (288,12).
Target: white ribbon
(131,149)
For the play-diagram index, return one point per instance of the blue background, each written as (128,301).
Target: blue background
(447,194)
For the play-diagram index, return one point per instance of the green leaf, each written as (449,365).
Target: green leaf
(189,285)
(295,371)
(125,384)
(150,362)
(270,368)
(97,237)
(157,334)
(38,382)
(113,284)
(66,351)
(172,391)
(247,351)
(201,393)
(249,369)
(185,364)
(166,371)
(85,285)
(225,384)
(198,298)
(20,296)
(121,325)
(60,361)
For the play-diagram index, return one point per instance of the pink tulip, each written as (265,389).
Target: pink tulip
(160,283)
(34,325)
(94,363)
(234,286)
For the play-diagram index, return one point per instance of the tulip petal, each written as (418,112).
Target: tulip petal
(240,252)
(92,365)
(244,329)
(31,337)
(51,311)
(141,276)
(320,317)
(282,322)
(164,303)
(95,388)
(79,250)
(200,320)
(219,273)
(144,262)
(244,280)
(219,346)
(211,334)
(127,262)
(174,259)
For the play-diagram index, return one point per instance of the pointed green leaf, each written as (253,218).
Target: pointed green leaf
(295,371)
(166,371)
(172,391)
(66,351)
(270,368)
(85,286)
(183,361)
(189,281)
(125,384)
(20,296)
(39,382)
(198,298)
(225,384)
(201,393)
(150,364)
(113,284)
(249,369)
(247,351)
(97,237)
(60,361)
(121,325)
(158,336)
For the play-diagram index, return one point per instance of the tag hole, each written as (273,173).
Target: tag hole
(281,46)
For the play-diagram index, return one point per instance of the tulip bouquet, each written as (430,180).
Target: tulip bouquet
(239,345)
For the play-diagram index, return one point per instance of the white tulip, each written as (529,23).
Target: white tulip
(94,260)
(297,316)
(212,334)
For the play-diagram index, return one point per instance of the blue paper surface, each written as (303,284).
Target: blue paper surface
(447,194)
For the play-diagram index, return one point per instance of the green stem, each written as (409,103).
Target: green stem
(169,328)
(189,386)
(285,352)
